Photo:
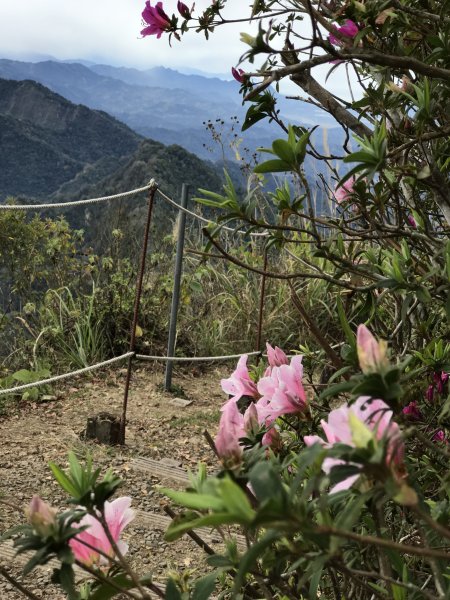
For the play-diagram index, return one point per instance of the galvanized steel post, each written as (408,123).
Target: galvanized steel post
(176,288)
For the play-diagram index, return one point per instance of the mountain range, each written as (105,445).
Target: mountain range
(168,106)
(52,148)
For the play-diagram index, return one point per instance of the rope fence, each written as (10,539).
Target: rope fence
(207,221)
(145,357)
(194,358)
(27,386)
(152,188)
(76,202)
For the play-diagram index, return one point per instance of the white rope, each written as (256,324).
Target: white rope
(208,221)
(193,358)
(76,202)
(27,386)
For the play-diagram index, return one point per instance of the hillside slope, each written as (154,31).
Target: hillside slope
(46,140)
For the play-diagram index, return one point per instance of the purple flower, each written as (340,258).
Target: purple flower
(349,30)
(440,379)
(412,221)
(412,411)
(439,436)
(430,393)
(156,18)
(238,74)
(184,10)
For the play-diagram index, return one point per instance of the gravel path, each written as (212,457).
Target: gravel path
(32,434)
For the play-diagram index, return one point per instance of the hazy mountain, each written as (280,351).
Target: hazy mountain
(163,104)
(45,140)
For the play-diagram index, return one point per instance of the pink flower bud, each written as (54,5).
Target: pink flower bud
(238,74)
(251,422)
(371,353)
(430,393)
(412,221)
(439,436)
(41,516)
(183,10)
(276,356)
(231,429)
(412,411)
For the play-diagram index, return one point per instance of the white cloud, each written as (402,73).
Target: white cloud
(108,31)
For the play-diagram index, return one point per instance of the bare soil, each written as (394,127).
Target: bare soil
(32,434)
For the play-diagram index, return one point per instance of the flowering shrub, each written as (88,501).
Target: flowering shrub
(335,463)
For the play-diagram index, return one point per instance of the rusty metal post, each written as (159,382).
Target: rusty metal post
(261,306)
(137,301)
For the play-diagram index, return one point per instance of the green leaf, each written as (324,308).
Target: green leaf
(217,560)
(106,591)
(172,592)
(194,500)
(272,166)
(284,151)
(204,587)
(236,501)
(251,556)
(344,323)
(176,529)
(63,480)
(66,578)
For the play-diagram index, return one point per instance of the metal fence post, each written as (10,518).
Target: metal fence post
(137,300)
(176,288)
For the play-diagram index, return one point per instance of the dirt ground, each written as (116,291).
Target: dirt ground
(32,434)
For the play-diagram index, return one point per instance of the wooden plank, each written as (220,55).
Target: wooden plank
(159,469)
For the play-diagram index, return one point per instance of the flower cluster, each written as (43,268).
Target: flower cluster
(365,422)
(279,392)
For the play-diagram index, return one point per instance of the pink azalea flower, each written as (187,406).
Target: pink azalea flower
(238,74)
(239,383)
(349,30)
(344,192)
(41,516)
(156,19)
(282,391)
(117,514)
(355,426)
(412,411)
(371,353)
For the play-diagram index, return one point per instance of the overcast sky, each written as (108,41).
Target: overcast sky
(108,31)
